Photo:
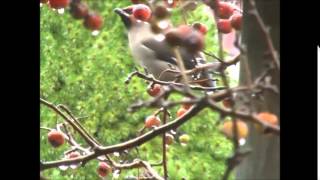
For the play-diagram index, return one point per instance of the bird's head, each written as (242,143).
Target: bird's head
(126,16)
(128,19)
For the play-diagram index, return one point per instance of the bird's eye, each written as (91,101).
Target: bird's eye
(128,10)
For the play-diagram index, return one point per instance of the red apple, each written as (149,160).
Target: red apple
(142,12)
(79,10)
(169,139)
(58,4)
(93,21)
(242,129)
(224,26)
(194,42)
(155,90)
(161,12)
(152,121)
(236,21)
(200,27)
(225,10)
(55,138)
(104,169)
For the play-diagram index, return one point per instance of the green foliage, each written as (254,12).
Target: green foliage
(87,73)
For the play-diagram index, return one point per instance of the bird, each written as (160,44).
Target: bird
(152,52)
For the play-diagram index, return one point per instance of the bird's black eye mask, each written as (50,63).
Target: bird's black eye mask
(125,16)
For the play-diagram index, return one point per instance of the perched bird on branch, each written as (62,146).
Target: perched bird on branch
(155,52)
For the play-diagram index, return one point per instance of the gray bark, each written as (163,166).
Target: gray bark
(264,161)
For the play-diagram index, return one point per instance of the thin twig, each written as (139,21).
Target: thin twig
(70,121)
(164,146)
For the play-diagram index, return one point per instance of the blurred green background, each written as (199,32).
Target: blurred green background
(87,74)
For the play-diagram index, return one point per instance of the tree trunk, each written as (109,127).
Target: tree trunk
(264,161)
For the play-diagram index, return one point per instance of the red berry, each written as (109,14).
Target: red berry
(93,21)
(181,112)
(73,154)
(155,90)
(224,26)
(177,36)
(104,169)
(161,12)
(236,21)
(241,126)
(225,10)
(58,4)
(169,139)
(194,42)
(55,138)
(268,118)
(152,121)
(79,10)
(142,12)
(173,37)
(200,27)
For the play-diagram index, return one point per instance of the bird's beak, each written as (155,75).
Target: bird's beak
(125,17)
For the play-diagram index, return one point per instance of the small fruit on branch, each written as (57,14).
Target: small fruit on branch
(176,36)
(173,37)
(225,10)
(161,12)
(200,27)
(187,37)
(224,26)
(236,21)
(58,4)
(194,42)
(267,118)
(104,169)
(185,138)
(55,138)
(79,10)
(152,121)
(241,126)
(93,21)
(169,139)
(142,12)
(155,90)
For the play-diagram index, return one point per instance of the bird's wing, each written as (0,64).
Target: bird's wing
(164,52)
